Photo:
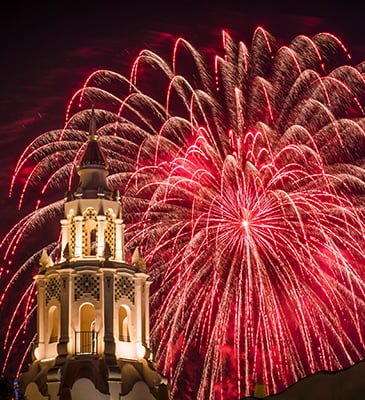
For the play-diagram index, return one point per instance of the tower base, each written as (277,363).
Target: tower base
(91,378)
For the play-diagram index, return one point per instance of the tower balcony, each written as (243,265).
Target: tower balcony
(86,343)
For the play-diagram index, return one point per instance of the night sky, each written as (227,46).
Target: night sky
(47,51)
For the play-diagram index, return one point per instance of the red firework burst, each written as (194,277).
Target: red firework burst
(245,186)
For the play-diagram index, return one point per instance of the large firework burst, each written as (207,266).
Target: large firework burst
(243,180)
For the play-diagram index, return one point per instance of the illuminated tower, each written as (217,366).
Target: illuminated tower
(93,307)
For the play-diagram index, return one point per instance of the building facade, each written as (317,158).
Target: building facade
(93,306)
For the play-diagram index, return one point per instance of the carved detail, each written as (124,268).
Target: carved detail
(53,289)
(87,284)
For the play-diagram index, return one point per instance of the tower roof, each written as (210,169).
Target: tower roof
(93,155)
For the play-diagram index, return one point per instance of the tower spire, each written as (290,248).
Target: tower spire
(92,167)
(93,156)
(92,125)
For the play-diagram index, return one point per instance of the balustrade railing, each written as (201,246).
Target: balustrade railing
(86,342)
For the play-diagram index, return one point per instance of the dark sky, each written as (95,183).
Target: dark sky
(49,48)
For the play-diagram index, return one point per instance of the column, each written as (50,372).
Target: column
(138,298)
(147,312)
(65,225)
(119,239)
(140,279)
(65,304)
(101,234)
(40,350)
(78,239)
(108,299)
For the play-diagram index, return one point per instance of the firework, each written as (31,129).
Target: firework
(243,181)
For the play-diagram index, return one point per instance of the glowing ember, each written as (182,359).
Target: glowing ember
(245,188)
(244,224)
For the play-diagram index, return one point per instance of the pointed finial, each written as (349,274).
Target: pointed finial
(66,252)
(92,125)
(119,213)
(45,261)
(138,261)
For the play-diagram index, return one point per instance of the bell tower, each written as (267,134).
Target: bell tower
(93,306)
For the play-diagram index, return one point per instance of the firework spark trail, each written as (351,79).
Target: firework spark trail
(26,293)
(25,354)
(245,186)
(294,201)
(10,347)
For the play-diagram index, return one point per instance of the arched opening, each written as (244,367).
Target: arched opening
(87,334)
(124,314)
(90,237)
(93,242)
(53,324)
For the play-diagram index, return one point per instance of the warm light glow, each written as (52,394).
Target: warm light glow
(141,351)
(37,353)
(123,317)
(48,359)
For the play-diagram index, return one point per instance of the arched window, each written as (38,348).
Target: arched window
(90,238)
(53,324)
(124,313)
(87,334)
(89,235)
(93,242)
